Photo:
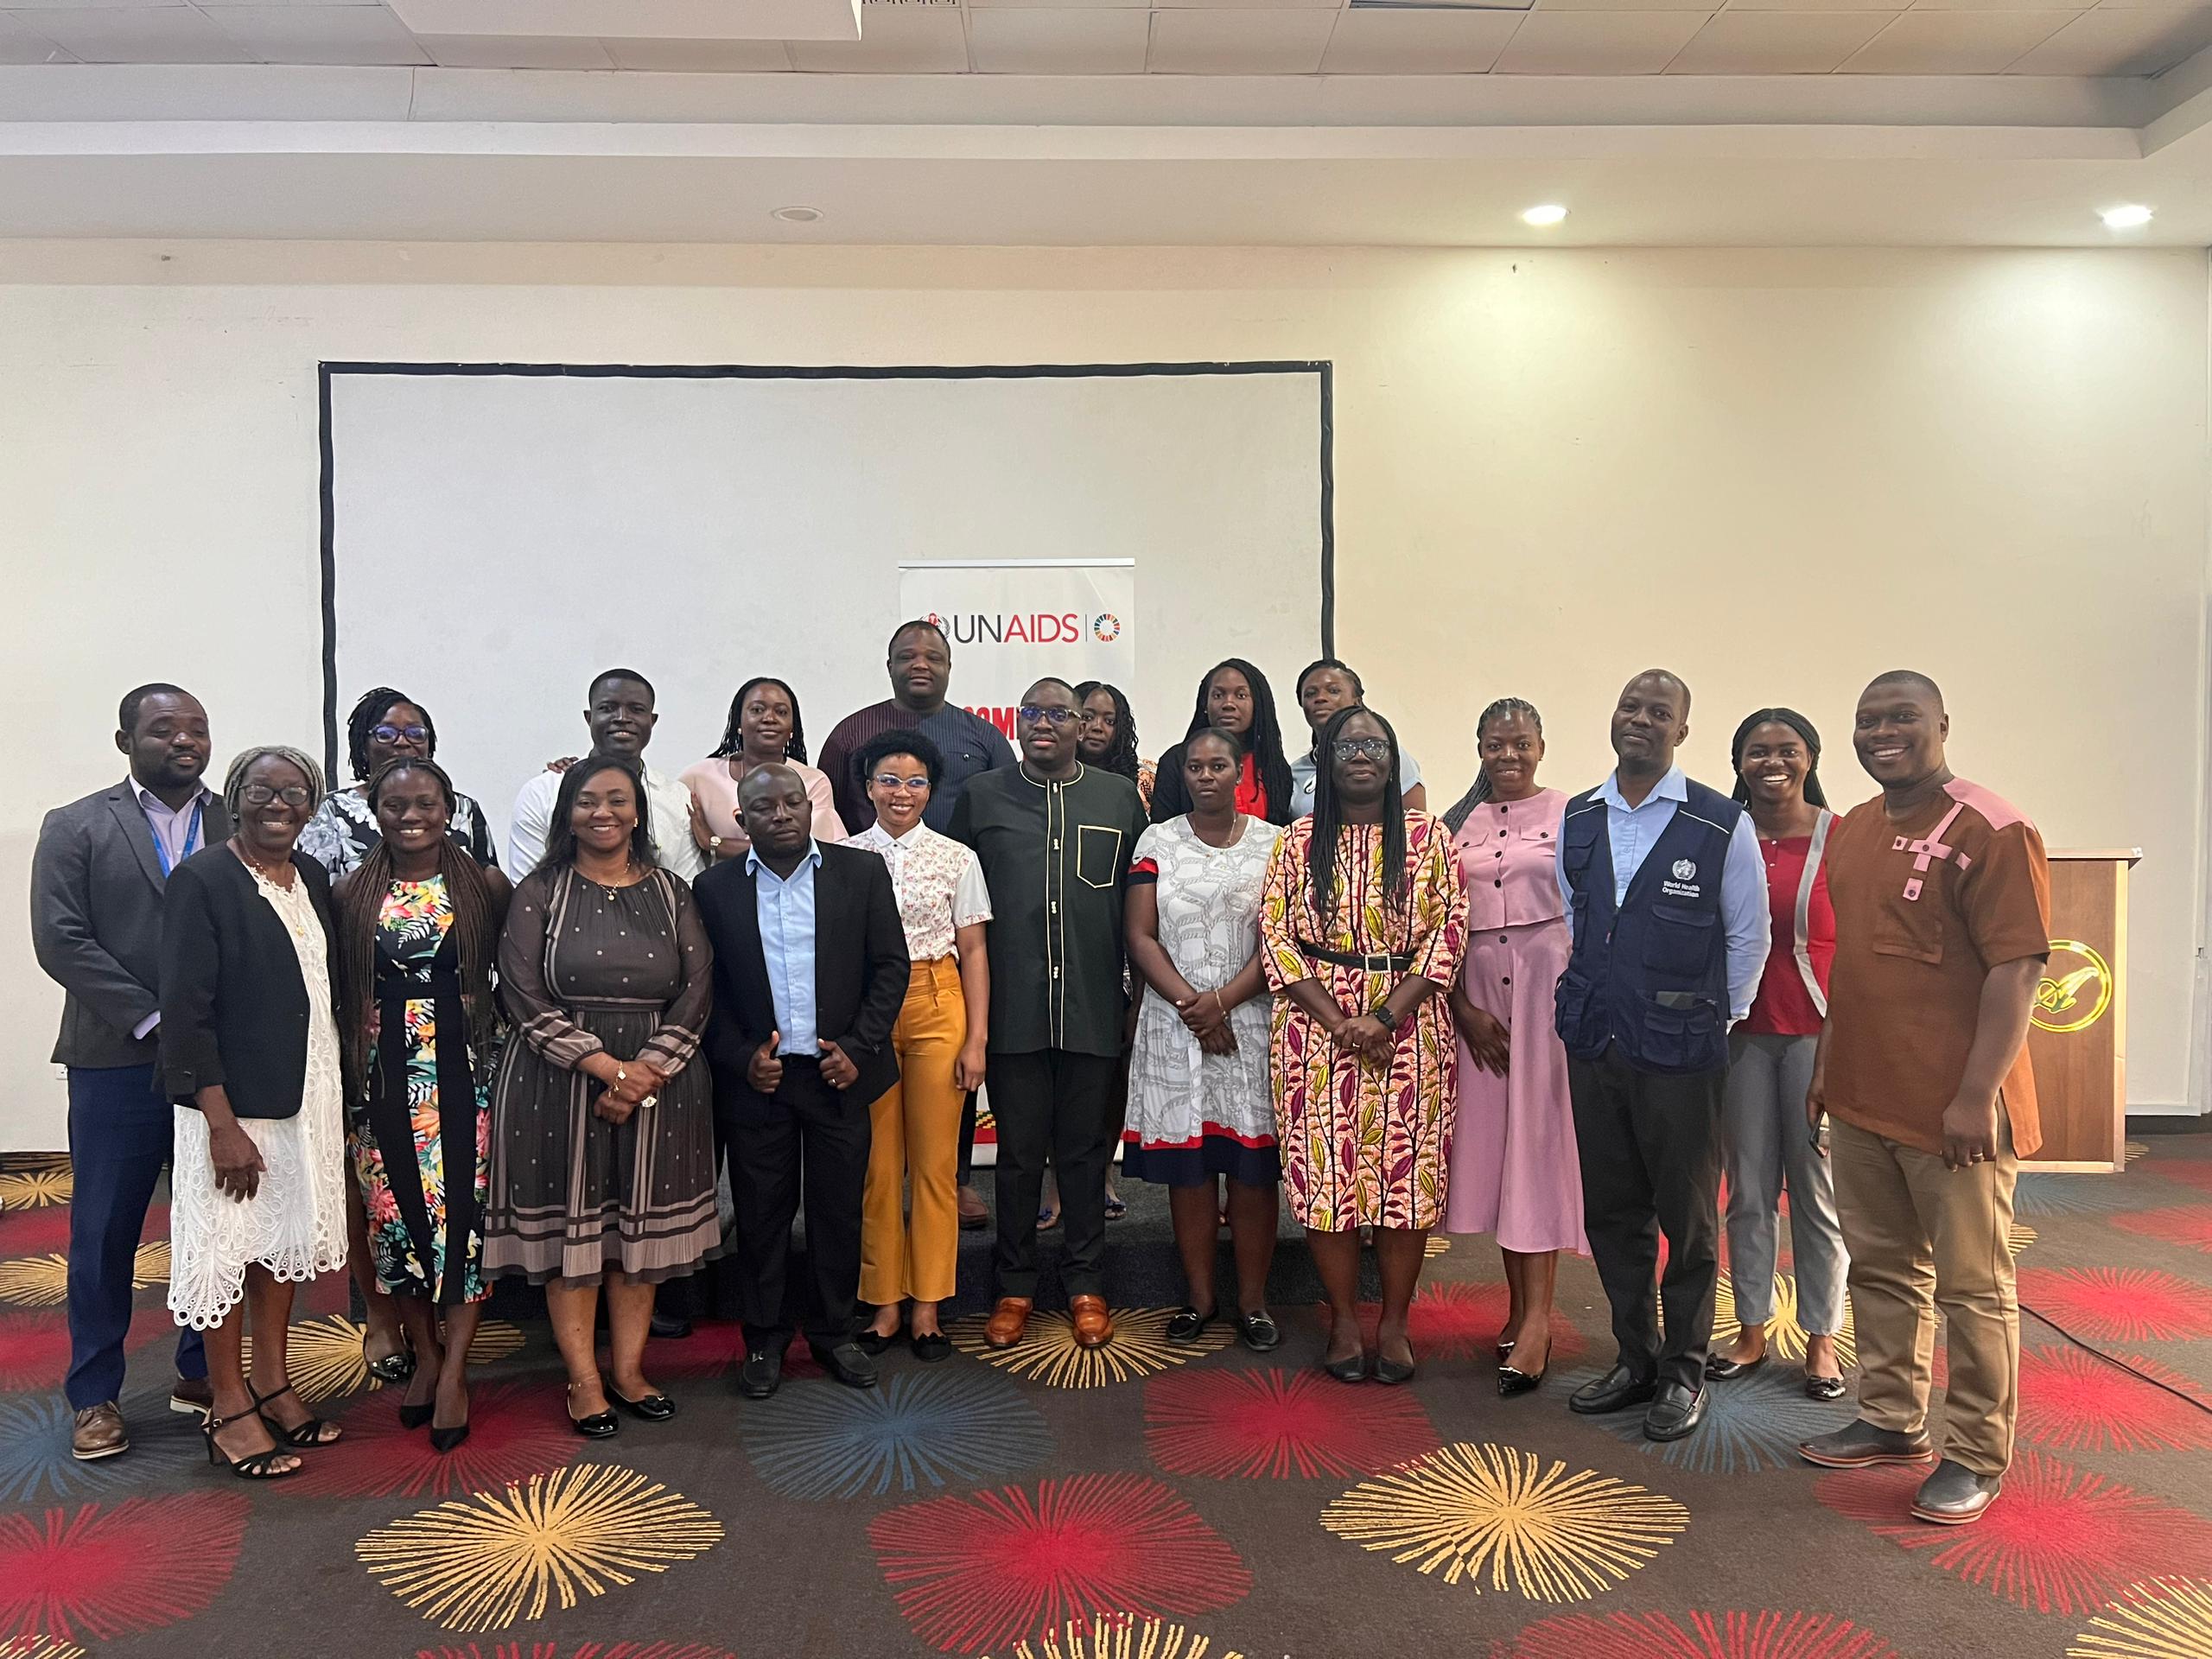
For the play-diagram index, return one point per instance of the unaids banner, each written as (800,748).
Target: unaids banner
(1013,621)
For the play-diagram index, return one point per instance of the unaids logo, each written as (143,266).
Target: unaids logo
(1684,869)
(1105,627)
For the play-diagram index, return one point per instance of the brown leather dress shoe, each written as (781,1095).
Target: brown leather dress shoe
(1093,1328)
(98,1433)
(194,1395)
(1009,1322)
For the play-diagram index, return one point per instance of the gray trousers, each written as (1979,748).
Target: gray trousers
(1765,1143)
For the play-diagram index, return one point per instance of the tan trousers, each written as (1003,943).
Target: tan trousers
(916,1124)
(1922,1237)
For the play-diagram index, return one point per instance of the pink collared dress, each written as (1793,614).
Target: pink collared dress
(1514,1171)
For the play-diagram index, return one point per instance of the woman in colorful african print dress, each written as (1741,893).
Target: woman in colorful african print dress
(1362,923)
(418,932)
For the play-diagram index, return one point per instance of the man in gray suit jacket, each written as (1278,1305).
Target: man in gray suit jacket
(96,883)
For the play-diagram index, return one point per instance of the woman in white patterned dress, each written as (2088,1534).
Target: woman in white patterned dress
(1200,1109)
(249,1054)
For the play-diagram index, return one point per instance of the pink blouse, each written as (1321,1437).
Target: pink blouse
(1508,852)
(715,792)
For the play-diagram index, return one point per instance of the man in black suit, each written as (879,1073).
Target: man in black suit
(97,884)
(810,974)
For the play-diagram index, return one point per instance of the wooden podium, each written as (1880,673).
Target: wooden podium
(2077,1031)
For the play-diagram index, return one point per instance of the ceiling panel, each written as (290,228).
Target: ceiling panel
(1394,42)
(901,40)
(516,52)
(297,34)
(19,44)
(1037,42)
(1955,42)
(1777,42)
(1598,43)
(2132,42)
(1240,42)
(133,34)
(701,57)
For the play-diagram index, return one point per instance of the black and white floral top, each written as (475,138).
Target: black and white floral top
(343,832)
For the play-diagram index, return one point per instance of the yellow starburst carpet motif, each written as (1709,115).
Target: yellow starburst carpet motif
(1049,1354)
(1108,1638)
(2164,1619)
(325,1358)
(1785,1330)
(33,1184)
(1497,1518)
(43,1281)
(484,1562)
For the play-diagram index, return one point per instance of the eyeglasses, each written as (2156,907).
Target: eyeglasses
(1369,748)
(1034,712)
(890,781)
(262,794)
(392,733)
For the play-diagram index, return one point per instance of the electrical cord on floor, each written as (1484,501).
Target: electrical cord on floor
(2204,1406)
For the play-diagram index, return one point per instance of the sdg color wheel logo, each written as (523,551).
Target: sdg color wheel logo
(1105,627)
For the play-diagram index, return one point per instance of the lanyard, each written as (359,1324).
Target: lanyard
(191,841)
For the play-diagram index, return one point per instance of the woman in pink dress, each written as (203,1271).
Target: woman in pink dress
(1513,1170)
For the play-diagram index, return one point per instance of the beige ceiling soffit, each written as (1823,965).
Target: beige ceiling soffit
(2186,105)
(654,20)
(692,141)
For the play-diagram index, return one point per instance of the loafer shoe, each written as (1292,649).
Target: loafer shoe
(193,1395)
(98,1433)
(1675,1410)
(847,1363)
(1094,1327)
(762,1374)
(1009,1322)
(1954,1495)
(1860,1445)
(1616,1390)
(671,1327)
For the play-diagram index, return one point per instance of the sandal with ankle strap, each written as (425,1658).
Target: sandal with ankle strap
(307,1434)
(254,1465)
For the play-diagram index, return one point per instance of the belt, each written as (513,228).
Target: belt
(1383,963)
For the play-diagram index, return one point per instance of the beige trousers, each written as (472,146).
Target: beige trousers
(1921,1237)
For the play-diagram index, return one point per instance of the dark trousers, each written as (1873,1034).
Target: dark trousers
(120,1135)
(968,1139)
(1651,1153)
(807,1139)
(1058,1104)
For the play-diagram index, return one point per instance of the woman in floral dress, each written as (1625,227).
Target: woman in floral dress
(1363,923)
(418,933)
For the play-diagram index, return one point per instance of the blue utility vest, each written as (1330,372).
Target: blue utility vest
(1650,974)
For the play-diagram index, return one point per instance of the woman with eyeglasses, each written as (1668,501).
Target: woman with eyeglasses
(940,1039)
(386,726)
(764,730)
(1363,923)
(249,1053)
(1236,697)
(418,930)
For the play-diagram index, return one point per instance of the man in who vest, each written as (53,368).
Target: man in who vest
(1666,892)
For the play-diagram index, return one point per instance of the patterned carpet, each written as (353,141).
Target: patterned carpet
(1142,1503)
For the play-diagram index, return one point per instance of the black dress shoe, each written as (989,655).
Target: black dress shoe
(847,1363)
(653,1408)
(1954,1495)
(1616,1390)
(671,1326)
(874,1342)
(1721,1369)
(761,1374)
(600,1426)
(1675,1410)
(1188,1324)
(1352,1367)
(930,1346)
(1393,1371)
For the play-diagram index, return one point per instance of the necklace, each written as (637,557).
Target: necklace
(265,872)
(610,888)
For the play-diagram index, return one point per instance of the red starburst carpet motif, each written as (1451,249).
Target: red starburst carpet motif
(39,1232)
(2193,1171)
(2071,1401)
(1709,1635)
(515,1430)
(2119,1304)
(2190,1226)
(1275,1425)
(2058,1540)
(1459,1319)
(112,1570)
(972,1571)
(35,1346)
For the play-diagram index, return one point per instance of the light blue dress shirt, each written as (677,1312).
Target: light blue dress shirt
(1632,831)
(785,909)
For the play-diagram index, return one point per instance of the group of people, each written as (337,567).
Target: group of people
(359,1036)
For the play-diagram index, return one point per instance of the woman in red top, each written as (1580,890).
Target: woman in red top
(1235,696)
(1777,755)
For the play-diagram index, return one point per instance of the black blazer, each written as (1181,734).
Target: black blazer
(96,920)
(234,1007)
(859,968)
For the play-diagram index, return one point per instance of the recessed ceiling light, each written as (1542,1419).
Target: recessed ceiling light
(1549,214)
(2130,216)
(795,215)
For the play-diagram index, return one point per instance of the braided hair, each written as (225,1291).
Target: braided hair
(475,933)
(1328,819)
(1458,813)
(1264,743)
(369,713)
(733,734)
(1813,793)
(1121,758)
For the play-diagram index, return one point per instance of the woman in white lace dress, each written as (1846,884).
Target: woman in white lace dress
(249,1055)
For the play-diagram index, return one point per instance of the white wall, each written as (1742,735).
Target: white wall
(1777,473)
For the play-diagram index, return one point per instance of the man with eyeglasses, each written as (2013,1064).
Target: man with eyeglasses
(97,879)
(1054,838)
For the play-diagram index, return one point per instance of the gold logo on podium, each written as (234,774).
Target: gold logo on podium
(2076,989)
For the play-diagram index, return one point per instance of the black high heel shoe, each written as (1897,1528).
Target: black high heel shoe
(254,1465)
(1352,1367)
(1512,1380)
(305,1435)
(444,1439)
(416,1416)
